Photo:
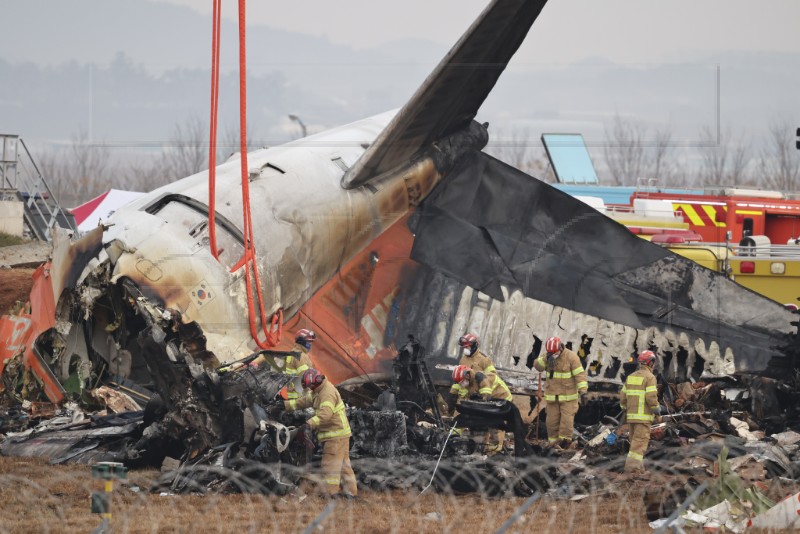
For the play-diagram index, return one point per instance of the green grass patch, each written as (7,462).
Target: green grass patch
(8,240)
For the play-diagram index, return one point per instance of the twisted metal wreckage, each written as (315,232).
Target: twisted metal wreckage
(367,232)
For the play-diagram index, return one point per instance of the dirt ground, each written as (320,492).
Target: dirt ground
(39,497)
(15,285)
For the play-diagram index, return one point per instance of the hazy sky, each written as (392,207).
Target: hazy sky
(674,64)
(625,31)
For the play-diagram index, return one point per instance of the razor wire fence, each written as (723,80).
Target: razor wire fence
(548,494)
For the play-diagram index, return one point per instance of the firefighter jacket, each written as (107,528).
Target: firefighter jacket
(486,385)
(478,362)
(296,365)
(566,380)
(639,396)
(330,419)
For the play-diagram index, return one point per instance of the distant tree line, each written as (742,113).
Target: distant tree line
(720,157)
(83,169)
(631,155)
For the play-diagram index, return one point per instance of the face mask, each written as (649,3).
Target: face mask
(464,383)
(467,351)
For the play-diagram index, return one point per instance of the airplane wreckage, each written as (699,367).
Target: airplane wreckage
(390,226)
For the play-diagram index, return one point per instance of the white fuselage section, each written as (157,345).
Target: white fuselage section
(305,227)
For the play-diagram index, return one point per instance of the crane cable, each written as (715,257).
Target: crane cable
(271,329)
(212,145)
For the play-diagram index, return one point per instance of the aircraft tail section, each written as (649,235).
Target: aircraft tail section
(450,97)
(496,229)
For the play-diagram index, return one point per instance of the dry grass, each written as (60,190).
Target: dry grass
(39,497)
(8,240)
(15,285)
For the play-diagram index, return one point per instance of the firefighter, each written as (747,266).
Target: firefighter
(333,432)
(472,357)
(489,386)
(297,365)
(565,383)
(467,382)
(639,397)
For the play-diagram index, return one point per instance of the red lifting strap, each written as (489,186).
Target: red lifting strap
(271,329)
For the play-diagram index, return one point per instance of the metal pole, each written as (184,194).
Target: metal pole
(320,518)
(296,119)
(439,460)
(518,512)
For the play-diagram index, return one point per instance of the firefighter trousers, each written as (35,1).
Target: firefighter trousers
(560,420)
(336,469)
(640,437)
(493,441)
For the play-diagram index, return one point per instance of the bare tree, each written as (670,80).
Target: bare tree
(145,174)
(187,152)
(662,166)
(539,166)
(725,158)
(53,166)
(512,148)
(79,171)
(780,161)
(739,162)
(230,144)
(714,156)
(625,152)
(522,150)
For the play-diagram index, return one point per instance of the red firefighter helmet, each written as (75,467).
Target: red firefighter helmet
(312,379)
(647,357)
(304,335)
(460,373)
(553,345)
(468,340)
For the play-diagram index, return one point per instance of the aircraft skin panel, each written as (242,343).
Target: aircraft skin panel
(557,249)
(418,300)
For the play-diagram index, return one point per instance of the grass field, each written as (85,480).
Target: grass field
(38,497)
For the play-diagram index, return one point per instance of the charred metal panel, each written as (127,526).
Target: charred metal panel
(496,229)
(381,434)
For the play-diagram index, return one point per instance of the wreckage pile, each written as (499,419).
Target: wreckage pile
(216,429)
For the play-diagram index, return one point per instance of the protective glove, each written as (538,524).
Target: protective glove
(584,399)
(657,410)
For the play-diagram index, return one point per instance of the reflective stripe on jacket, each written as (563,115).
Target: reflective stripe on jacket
(566,380)
(296,366)
(639,396)
(329,420)
(486,385)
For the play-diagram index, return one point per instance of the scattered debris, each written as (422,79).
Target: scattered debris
(785,514)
